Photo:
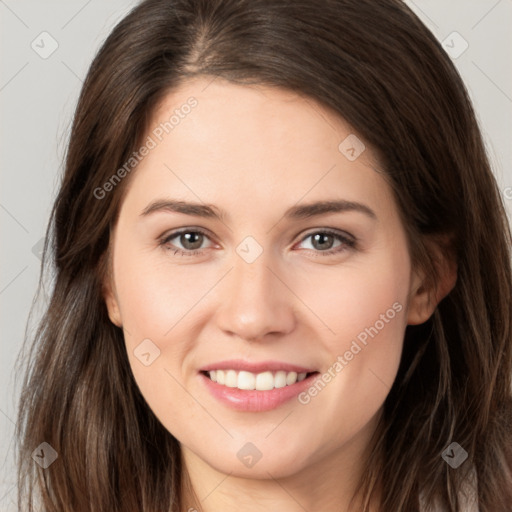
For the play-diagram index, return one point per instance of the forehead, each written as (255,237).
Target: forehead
(216,141)
(249,114)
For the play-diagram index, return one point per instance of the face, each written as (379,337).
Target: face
(304,308)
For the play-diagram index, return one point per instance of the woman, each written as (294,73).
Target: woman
(203,349)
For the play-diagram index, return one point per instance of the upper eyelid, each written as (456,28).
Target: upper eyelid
(174,234)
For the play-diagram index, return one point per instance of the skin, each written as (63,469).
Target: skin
(255,151)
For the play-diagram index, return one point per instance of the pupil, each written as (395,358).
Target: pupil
(187,237)
(322,237)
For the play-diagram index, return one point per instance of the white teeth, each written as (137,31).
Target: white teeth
(264,381)
(291,378)
(280,379)
(246,380)
(231,379)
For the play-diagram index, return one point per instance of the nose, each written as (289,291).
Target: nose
(255,302)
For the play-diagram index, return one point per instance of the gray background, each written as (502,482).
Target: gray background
(37,100)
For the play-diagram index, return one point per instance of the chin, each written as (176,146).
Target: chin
(244,459)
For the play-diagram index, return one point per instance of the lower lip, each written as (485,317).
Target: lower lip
(253,400)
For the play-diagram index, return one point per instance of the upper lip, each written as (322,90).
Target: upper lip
(255,367)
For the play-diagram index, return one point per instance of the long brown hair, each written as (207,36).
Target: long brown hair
(379,68)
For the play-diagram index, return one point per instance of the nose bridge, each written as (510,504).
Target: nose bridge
(254,302)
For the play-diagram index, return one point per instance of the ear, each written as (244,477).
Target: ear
(425,296)
(109,293)
(112,304)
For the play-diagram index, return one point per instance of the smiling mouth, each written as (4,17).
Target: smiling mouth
(264,381)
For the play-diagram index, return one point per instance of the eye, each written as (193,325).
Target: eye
(323,242)
(191,241)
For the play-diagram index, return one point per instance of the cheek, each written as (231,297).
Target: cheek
(154,297)
(364,309)
(157,306)
(364,299)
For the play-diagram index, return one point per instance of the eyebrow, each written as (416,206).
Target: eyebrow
(303,211)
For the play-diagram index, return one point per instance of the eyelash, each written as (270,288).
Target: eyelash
(348,243)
